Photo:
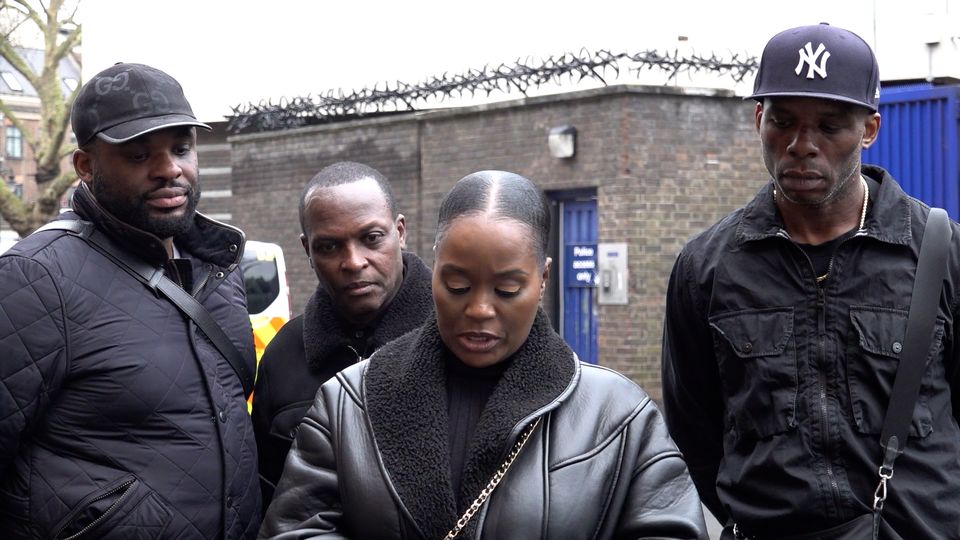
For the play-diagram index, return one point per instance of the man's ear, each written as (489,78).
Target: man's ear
(306,248)
(871,128)
(83,165)
(402,230)
(758,113)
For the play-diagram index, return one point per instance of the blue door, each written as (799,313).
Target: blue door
(578,270)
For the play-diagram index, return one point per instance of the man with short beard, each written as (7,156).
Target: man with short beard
(120,416)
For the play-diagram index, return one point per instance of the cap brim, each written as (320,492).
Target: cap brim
(831,97)
(131,130)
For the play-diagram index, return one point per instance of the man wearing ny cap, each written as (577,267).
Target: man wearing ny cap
(119,418)
(785,319)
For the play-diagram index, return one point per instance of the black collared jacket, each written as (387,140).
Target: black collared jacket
(371,459)
(775,387)
(118,418)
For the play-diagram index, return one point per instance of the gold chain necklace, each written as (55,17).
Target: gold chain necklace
(863,215)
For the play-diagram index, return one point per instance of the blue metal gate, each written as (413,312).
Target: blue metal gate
(918,142)
(578,310)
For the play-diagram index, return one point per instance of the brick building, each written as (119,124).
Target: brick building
(658,164)
(17,165)
(213,153)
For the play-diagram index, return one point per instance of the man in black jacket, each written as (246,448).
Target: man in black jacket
(785,320)
(370,292)
(118,417)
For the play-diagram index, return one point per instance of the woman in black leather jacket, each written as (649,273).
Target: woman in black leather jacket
(403,445)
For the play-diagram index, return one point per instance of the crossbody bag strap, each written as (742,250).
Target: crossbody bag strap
(927,285)
(155,279)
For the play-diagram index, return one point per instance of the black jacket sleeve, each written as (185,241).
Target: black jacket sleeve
(692,399)
(33,349)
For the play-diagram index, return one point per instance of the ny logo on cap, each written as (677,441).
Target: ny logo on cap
(809,57)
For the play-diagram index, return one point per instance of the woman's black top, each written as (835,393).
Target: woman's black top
(468,389)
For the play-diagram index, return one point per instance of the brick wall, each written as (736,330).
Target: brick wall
(269,171)
(213,153)
(665,164)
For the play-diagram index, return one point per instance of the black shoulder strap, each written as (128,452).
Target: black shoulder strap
(931,268)
(154,278)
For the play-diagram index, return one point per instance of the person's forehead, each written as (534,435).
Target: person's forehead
(353,202)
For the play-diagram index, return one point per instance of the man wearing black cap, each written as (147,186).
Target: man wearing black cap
(125,347)
(785,319)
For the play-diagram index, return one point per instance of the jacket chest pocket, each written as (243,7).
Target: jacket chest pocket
(872,362)
(757,357)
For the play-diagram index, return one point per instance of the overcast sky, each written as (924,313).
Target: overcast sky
(228,52)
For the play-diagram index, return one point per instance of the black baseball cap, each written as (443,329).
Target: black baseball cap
(126,101)
(820,61)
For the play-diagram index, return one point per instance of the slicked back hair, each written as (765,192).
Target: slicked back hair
(344,172)
(498,194)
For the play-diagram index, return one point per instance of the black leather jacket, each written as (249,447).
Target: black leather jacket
(370,459)
(775,388)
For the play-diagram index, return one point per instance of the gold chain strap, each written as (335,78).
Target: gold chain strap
(494,480)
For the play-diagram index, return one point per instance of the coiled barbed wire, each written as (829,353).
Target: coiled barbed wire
(521,76)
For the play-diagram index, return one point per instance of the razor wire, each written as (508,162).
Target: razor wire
(519,77)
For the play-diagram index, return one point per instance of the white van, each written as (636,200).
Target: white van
(268,296)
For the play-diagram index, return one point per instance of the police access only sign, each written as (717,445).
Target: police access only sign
(580,269)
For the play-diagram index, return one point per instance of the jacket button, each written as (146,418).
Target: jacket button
(219,275)
(897,347)
(229,501)
(222,415)
(232,248)
(748,347)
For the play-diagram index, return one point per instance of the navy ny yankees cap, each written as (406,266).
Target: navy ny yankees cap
(126,101)
(820,61)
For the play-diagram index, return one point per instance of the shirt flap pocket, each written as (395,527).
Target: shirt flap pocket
(880,330)
(756,333)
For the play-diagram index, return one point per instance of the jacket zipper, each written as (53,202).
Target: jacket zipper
(822,398)
(203,282)
(822,390)
(108,511)
(821,368)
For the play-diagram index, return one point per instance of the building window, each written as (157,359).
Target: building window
(16,188)
(11,81)
(14,143)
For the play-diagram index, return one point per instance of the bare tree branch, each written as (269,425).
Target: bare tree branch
(59,185)
(30,12)
(18,63)
(48,140)
(69,42)
(14,211)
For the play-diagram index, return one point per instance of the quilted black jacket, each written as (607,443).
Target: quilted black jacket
(118,419)
(370,459)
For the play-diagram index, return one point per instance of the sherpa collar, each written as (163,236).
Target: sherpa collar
(324,331)
(405,394)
